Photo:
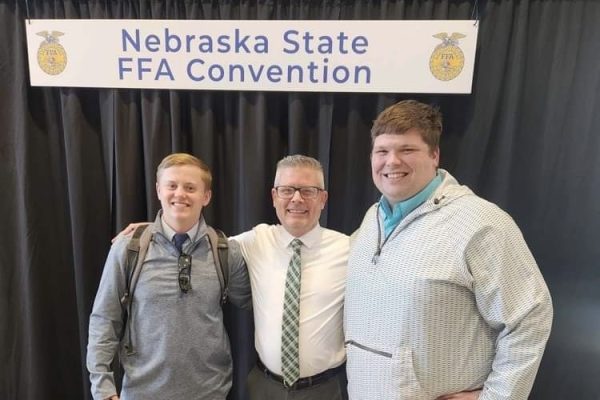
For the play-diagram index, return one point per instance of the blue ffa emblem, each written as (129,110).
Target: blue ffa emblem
(51,56)
(447,59)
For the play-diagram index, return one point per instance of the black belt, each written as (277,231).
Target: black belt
(302,383)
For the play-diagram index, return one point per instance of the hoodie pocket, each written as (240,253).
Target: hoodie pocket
(378,374)
(404,377)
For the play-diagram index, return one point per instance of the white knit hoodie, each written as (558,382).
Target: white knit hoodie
(454,302)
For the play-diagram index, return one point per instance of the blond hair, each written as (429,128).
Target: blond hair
(178,159)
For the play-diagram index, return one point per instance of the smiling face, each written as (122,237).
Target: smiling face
(402,165)
(298,215)
(183,193)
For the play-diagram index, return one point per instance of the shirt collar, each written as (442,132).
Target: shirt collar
(170,232)
(403,208)
(309,239)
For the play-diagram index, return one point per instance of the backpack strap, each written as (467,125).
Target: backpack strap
(220,249)
(136,253)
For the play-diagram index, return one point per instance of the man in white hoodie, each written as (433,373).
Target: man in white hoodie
(444,299)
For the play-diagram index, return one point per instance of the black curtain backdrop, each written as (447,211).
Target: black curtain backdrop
(76,165)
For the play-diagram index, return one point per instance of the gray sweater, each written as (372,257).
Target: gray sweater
(181,348)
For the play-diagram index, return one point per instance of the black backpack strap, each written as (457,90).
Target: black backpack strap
(220,250)
(136,253)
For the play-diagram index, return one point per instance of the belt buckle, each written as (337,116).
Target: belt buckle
(308,381)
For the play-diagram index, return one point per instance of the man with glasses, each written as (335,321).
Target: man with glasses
(176,331)
(300,343)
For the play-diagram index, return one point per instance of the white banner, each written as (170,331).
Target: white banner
(312,56)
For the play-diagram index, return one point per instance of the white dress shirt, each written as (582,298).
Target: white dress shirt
(324,254)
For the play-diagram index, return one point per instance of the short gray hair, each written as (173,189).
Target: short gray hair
(301,161)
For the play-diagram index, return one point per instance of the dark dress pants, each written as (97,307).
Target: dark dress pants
(262,387)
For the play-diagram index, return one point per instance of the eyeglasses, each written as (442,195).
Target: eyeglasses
(184,262)
(306,192)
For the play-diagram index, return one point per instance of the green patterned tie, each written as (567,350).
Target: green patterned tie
(290,364)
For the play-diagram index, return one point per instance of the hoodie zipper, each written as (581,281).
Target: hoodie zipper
(365,348)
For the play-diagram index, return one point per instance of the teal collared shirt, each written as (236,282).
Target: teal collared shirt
(391,218)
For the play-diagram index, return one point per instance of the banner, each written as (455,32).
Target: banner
(312,56)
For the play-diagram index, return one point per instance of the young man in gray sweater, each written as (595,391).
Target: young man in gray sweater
(177,347)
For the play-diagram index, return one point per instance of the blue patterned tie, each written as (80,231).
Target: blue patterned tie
(290,363)
(179,239)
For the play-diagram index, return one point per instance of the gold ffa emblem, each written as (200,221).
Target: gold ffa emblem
(51,56)
(447,60)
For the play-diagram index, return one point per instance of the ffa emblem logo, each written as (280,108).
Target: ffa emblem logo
(447,59)
(51,56)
